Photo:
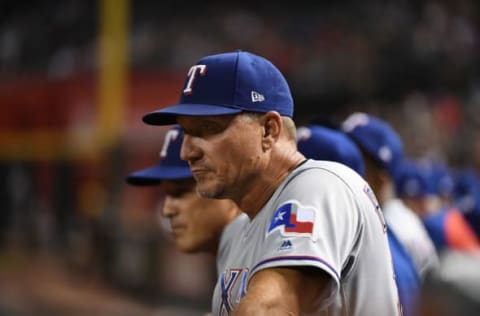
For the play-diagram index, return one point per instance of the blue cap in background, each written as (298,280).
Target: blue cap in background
(410,181)
(467,197)
(170,167)
(377,138)
(229,83)
(439,177)
(323,143)
(467,191)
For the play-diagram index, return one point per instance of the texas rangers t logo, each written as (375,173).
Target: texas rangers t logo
(169,137)
(192,74)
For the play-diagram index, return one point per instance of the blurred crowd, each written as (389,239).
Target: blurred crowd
(415,59)
(413,63)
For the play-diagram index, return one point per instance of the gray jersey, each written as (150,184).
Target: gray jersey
(231,231)
(323,215)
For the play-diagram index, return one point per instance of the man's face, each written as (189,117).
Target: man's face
(224,153)
(196,222)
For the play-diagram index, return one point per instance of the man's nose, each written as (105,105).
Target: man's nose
(189,150)
(170,208)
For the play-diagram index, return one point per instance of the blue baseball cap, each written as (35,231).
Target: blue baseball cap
(411,180)
(439,177)
(467,197)
(323,143)
(170,167)
(229,83)
(467,190)
(377,138)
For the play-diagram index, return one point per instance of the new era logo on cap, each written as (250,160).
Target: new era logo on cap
(257,97)
(229,83)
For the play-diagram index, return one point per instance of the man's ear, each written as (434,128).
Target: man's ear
(272,127)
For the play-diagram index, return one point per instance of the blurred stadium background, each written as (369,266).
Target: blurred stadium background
(76,77)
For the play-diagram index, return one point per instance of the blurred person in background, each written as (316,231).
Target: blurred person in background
(382,150)
(466,194)
(197,224)
(454,287)
(421,188)
(327,143)
(324,143)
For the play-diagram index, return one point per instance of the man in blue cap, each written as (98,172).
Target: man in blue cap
(198,224)
(419,185)
(325,143)
(315,241)
(466,194)
(382,151)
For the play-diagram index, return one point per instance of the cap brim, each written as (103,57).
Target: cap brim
(168,115)
(154,175)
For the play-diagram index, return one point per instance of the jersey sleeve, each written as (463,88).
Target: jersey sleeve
(314,222)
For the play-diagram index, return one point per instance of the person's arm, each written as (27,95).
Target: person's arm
(283,291)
